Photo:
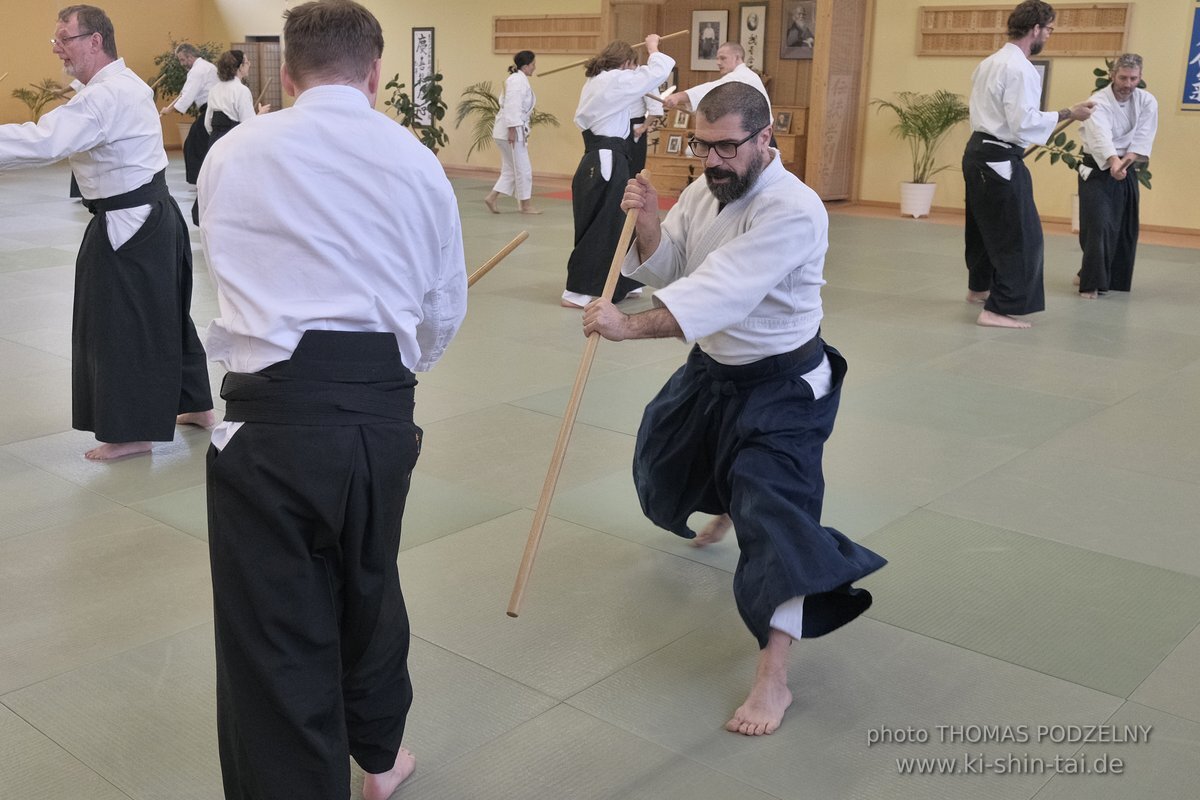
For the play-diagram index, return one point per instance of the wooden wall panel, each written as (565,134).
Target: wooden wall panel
(1096,29)
(547,33)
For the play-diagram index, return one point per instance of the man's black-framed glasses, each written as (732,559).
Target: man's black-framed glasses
(725,149)
(65,39)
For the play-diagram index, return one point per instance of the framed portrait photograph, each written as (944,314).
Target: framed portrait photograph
(709,30)
(674,143)
(783,122)
(681,119)
(422,67)
(753,33)
(797,29)
(1043,71)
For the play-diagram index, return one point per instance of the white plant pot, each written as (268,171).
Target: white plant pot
(916,199)
(1074,213)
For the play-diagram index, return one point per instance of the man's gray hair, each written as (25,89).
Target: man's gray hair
(188,50)
(737,98)
(1126,61)
(736,49)
(93,20)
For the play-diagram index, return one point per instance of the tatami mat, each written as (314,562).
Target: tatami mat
(1047,606)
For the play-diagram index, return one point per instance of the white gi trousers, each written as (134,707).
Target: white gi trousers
(516,173)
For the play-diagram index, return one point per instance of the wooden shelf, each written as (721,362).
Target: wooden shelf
(572,34)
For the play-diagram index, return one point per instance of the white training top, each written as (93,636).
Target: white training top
(1115,129)
(201,78)
(232,98)
(1006,92)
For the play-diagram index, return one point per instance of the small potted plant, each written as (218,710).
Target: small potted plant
(480,101)
(430,105)
(924,121)
(40,95)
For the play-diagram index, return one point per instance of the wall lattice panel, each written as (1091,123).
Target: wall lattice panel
(547,33)
(1095,29)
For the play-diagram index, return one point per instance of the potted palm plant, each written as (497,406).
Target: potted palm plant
(479,100)
(924,121)
(172,75)
(41,95)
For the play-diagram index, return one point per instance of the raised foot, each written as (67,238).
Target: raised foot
(762,713)
(977,297)
(490,202)
(384,784)
(112,451)
(1075,281)
(990,319)
(203,419)
(713,532)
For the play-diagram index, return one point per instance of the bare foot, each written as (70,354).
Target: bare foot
(1089,295)
(111,451)
(990,319)
(204,419)
(527,208)
(770,697)
(1075,281)
(569,304)
(381,786)
(490,202)
(977,297)
(713,532)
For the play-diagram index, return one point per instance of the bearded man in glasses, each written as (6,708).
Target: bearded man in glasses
(738,430)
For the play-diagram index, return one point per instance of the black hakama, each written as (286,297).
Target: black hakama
(136,361)
(195,146)
(596,204)
(1004,246)
(748,441)
(221,125)
(304,508)
(637,147)
(1108,229)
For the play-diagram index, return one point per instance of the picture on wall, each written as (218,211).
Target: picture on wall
(1043,71)
(422,67)
(783,122)
(798,29)
(681,119)
(753,36)
(709,30)
(674,143)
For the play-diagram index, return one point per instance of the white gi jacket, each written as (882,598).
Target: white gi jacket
(741,73)
(1115,129)
(516,107)
(201,78)
(744,283)
(1006,92)
(232,98)
(111,134)
(606,99)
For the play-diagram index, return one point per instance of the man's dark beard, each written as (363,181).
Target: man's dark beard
(726,193)
(1036,48)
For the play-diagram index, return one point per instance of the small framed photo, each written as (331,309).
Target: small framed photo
(1043,71)
(681,119)
(709,30)
(674,143)
(783,122)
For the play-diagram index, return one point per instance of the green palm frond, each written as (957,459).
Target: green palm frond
(479,100)
(924,120)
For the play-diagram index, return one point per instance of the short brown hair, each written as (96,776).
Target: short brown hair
(1026,16)
(229,63)
(333,40)
(611,57)
(93,20)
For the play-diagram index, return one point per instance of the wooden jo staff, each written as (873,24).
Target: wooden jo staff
(1062,126)
(2,77)
(496,259)
(564,432)
(584,61)
(263,93)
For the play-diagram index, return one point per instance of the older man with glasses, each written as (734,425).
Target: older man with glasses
(137,366)
(738,431)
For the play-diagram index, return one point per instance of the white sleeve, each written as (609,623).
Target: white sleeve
(1021,97)
(70,128)
(245,103)
(190,91)
(1146,127)
(1096,132)
(445,302)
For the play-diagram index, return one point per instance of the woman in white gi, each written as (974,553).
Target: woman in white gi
(614,84)
(229,103)
(511,133)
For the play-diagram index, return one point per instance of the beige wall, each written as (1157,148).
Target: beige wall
(143,31)
(1159,31)
(463,50)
